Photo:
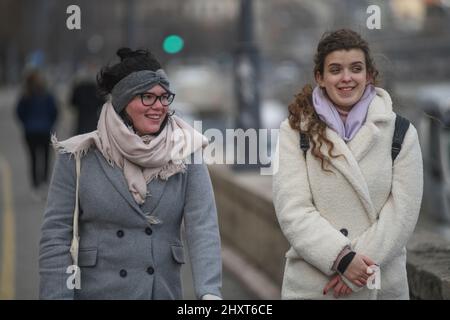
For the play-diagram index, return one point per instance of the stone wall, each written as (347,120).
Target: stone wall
(247,219)
(428,266)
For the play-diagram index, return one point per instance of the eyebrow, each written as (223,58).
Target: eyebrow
(338,64)
(156,93)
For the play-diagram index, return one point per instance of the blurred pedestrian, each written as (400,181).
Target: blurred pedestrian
(86,100)
(132,186)
(37,112)
(343,199)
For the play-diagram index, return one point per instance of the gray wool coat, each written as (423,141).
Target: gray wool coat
(122,254)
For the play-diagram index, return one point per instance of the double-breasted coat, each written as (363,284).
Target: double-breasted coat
(124,253)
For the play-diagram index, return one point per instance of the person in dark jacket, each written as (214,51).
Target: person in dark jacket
(37,113)
(87,102)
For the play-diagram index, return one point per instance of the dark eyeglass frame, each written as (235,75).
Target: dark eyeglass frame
(171,97)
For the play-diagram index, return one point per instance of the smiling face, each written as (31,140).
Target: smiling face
(344,77)
(147,119)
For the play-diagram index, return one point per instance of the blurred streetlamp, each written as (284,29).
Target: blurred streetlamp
(246,78)
(130,18)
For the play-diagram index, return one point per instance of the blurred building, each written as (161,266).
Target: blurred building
(287,32)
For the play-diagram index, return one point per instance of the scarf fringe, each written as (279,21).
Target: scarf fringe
(171,169)
(61,147)
(80,148)
(167,171)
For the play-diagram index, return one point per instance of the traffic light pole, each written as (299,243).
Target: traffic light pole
(246,76)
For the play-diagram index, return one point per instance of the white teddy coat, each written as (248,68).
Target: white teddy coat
(377,201)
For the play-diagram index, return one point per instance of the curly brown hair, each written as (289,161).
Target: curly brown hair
(301,110)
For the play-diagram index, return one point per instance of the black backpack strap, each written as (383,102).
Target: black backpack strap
(304,142)
(401,126)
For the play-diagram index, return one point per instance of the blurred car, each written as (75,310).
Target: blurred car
(205,87)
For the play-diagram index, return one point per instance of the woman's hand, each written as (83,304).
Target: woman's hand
(356,271)
(340,288)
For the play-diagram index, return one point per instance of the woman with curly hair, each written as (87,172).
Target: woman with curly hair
(346,204)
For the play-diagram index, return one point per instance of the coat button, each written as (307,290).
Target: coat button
(123,273)
(150,270)
(148,231)
(120,233)
(344,231)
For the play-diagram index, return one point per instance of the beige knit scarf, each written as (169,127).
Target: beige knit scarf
(141,159)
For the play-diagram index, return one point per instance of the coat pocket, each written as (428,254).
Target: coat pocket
(178,253)
(87,257)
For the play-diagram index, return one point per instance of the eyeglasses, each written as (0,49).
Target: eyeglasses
(149,99)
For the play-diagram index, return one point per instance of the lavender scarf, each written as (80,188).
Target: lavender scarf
(357,116)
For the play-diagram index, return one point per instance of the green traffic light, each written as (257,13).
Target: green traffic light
(173,44)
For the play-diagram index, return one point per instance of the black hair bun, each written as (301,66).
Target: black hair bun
(124,53)
(130,61)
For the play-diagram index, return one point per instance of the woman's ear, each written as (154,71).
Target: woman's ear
(319,79)
(126,118)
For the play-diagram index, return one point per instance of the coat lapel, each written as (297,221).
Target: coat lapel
(118,181)
(156,190)
(364,140)
(349,168)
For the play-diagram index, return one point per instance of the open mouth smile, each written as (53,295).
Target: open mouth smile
(346,89)
(153,116)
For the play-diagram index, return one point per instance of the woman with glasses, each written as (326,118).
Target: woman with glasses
(119,196)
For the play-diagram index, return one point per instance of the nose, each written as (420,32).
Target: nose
(347,76)
(157,105)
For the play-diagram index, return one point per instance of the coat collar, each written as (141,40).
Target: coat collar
(379,112)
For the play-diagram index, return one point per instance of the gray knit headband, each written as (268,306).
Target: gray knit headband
(136,83)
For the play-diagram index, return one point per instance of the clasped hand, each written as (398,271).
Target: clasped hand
(356,272)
